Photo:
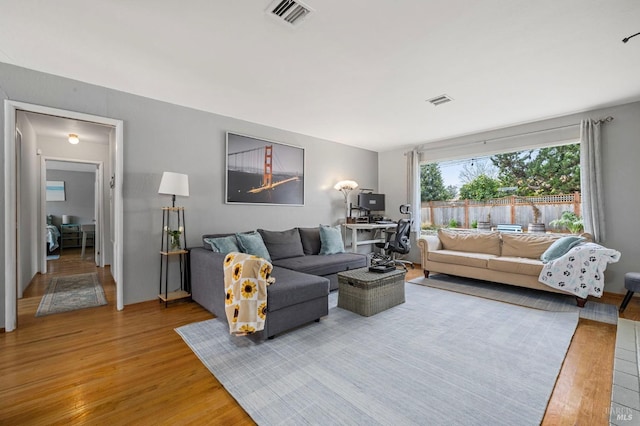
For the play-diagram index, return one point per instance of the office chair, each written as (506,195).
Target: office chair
(398,242)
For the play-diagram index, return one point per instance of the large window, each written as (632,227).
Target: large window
(532,186)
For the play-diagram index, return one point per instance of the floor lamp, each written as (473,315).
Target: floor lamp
(346,186)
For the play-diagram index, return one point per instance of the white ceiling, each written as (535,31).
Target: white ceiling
(60,128)
(356,72)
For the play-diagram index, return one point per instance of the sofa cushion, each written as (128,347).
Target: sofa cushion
(470,242)
(252,243)
(331,240)
(224,245)
(476,260)
(526,245)
(560,247)
(324,264)
(516,265)
(293,287)
(310,238)
(282,244)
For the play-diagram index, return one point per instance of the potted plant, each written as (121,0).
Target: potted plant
(569,220)
(535,226)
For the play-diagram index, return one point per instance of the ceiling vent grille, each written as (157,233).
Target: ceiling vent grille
(289,11)
(439,100)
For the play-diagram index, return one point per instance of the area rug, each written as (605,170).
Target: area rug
(441,358)
(71,292)
(528,297)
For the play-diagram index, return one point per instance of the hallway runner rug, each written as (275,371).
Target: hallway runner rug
(440,358)
(72,292)
(531,298)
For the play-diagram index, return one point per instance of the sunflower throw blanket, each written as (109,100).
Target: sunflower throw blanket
(246,278)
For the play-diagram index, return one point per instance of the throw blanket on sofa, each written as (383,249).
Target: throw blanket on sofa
(246,278)
(580,271)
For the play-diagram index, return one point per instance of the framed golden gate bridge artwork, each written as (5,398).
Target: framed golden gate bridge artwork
(260,171)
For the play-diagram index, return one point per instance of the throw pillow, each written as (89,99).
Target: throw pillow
(331,240)
(310,240)
(224,245)
(282,244)
(560,247)
(252,243)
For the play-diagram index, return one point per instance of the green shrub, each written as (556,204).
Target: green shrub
(474,224)
(569,220)
(453,223)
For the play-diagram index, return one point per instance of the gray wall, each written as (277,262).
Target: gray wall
(79,196)
(620,154)
(163,137)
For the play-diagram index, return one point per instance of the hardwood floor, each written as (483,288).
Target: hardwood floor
(101,366)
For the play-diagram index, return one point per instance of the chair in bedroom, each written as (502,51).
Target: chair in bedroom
(398,242)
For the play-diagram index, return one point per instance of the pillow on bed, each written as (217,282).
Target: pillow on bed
(560,247)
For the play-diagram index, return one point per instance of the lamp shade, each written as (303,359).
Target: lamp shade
(174,184)
(346,185)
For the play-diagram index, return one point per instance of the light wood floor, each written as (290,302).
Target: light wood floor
(101,366)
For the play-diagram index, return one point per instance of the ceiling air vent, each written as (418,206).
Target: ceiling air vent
(439,100)
(289,11)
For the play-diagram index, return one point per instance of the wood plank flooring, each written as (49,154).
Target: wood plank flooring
(101,366)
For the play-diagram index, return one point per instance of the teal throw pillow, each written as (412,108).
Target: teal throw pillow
(560,247)
(252,243)
(331,240)
(224,245)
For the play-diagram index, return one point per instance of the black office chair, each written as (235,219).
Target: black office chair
(398,242)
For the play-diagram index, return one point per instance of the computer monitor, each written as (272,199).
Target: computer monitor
(371,202)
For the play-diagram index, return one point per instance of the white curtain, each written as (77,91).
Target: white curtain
(591,179)
(413,186)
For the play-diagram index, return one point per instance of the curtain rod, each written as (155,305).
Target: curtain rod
(607,119)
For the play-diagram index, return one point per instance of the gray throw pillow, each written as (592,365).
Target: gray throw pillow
(224,245)
(310,238)
(560,247)
(282,244)
(251,243)
(331,240)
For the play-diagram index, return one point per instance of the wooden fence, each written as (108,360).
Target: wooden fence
(511,209)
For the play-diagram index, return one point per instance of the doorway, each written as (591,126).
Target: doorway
(14,258)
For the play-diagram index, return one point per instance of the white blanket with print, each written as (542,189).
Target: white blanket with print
(580,271)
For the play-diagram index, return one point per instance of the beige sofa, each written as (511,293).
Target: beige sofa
(508,258)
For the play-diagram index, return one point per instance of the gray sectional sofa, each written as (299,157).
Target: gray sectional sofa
(303,276)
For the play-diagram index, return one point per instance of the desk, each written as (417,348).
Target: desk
(355,227)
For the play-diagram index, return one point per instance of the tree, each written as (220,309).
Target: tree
(476,168)
(544,171)
(431,183)
(481,188)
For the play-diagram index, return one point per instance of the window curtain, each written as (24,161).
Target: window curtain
(413,186)
(591,179)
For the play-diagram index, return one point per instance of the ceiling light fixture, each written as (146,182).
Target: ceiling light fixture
(626,39)
(73,139)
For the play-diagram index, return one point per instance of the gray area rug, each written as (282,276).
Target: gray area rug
(441,358)
(528,297)
(71,292)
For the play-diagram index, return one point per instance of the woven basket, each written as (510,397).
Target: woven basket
(367,293)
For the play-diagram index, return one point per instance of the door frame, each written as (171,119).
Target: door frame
(10,244)
(98,208)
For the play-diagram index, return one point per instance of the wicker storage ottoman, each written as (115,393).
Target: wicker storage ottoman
(367,293)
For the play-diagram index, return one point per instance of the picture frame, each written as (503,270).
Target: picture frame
(261,171)
(55,190)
